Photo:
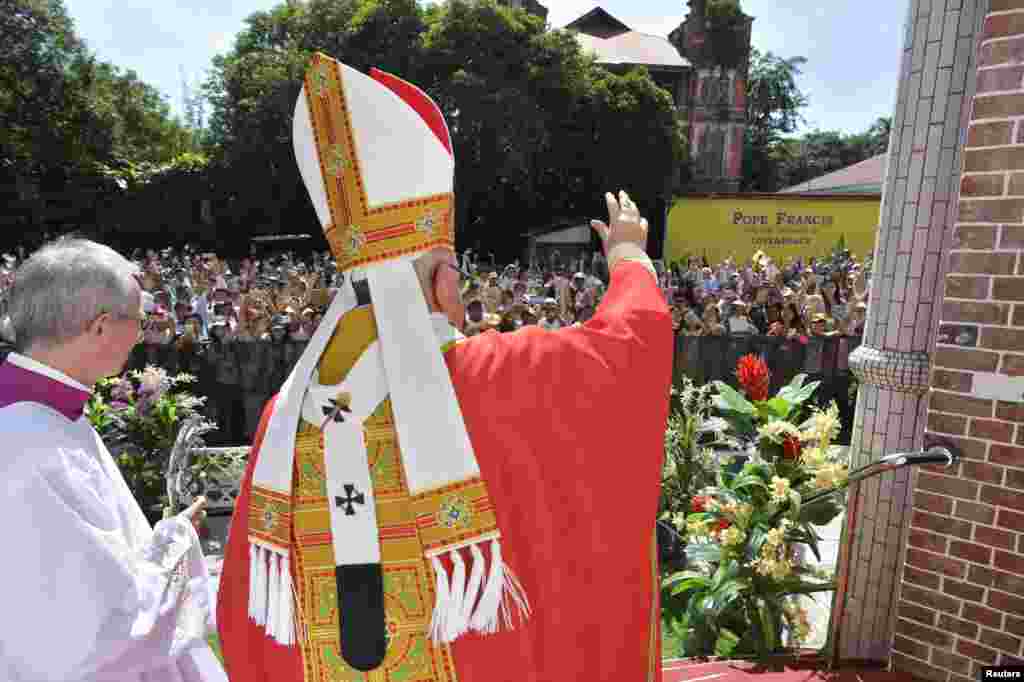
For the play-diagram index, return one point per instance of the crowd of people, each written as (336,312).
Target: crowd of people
(798,299)
(193,297)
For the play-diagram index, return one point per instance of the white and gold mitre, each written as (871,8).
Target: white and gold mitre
(375,154)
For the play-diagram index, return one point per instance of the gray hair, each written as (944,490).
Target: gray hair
(65,286)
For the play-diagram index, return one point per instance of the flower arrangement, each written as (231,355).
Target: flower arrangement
(138,416)
(687,467)
(745,534)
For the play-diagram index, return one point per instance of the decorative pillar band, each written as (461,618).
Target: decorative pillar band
(902,371)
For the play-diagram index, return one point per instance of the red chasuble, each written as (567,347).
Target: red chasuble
(568,429)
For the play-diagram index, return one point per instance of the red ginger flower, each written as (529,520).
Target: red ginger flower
(721,525)
(754,377)
(791,448)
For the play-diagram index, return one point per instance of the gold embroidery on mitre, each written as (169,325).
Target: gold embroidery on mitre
(322,77)
(359,234)
(338,162)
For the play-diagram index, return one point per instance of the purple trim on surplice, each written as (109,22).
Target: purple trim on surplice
(19,385)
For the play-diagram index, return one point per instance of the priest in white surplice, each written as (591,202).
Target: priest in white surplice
(88,589)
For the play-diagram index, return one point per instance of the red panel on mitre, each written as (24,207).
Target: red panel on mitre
(419,101)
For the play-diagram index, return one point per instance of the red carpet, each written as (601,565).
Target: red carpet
(792,671)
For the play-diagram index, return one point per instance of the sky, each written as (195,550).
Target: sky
(852,46)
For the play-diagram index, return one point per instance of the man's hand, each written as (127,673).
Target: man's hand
(196,512)
(626,236)
(627,226)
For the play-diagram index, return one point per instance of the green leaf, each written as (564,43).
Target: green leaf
(727,571)
(704,552)
(696,613)
(794,505)
(689,585)
(686,581)
(779,407)
(721,492)
(683,575)
(769,626)
(804,393)
(796,392)
(758,534)
(726,643)
(733,399)
(747,480)
(729,591)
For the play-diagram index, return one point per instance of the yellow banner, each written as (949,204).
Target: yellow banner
(782,227)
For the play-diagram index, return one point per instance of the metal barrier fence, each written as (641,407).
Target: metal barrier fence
(239,377)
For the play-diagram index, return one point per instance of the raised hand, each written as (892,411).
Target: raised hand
(625,235)
(626,223)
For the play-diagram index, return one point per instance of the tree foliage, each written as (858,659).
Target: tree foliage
(773,157)
(71,123)
(819,152)
(61,107)
(539,130)
(774,102)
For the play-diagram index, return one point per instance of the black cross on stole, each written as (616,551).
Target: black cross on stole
(335,410)
(352,497)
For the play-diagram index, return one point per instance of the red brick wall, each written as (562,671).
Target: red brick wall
(961,601)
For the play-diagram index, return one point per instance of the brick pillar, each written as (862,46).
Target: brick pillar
(961,599)
(915,227)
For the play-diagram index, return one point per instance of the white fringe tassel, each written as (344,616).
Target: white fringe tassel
(254,553)
(272,594)
(476,581)
(442,598)
(258,585)
(455,622)
(286,625)
(273,597)
(501,604)
(485,618)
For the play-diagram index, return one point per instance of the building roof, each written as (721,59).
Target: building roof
(865,177)
(597,22)
(612,42)
(633,48)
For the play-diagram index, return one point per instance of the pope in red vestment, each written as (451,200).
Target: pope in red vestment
(568,429)
(422,507)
